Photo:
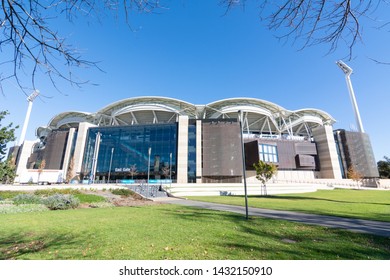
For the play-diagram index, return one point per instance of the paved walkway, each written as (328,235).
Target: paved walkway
(356,225)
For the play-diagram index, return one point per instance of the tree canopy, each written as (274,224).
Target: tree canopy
(7,134)
(384,168)
(29,29)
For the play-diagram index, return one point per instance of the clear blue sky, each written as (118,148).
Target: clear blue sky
(193,52)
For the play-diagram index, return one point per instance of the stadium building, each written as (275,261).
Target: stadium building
(169,140)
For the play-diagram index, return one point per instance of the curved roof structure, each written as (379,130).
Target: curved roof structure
(259,116)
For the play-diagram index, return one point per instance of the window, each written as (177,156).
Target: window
(268,153)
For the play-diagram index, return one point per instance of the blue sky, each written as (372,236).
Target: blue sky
(194,52)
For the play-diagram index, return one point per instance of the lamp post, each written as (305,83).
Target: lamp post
(243,163)
(170,167)
(149,152)
(109,169)
(95,156)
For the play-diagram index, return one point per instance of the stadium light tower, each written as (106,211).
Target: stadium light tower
(348,71)
(30,100)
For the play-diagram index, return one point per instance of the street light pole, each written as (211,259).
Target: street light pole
(109,169)
(170,167)
(149,152)
(243,164)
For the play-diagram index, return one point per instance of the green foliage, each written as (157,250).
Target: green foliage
(103,204)
(7,171)
(7,134)
(23,208)
(61,202)
(27,198)
(122,192)
(264,171)
(10,194)
(49,192)
(384,168)
(89,198)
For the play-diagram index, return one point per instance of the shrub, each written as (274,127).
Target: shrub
(101,205)
(10,194)
(122,192)
(27,198)
(89,198)
(49,192)
(23,208)
(61,202)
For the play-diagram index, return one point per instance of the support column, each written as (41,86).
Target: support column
(327,152)
(198,151)
(80,145)
(182,154)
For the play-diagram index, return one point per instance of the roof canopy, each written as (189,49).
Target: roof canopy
(260,116)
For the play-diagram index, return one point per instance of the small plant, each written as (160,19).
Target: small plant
(23,208)
(61,202)
(103,204)
(122,192)
(49,192)
(27,199)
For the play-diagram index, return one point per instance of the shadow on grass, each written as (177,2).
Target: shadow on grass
(263,238)
(287,197)
(16,246)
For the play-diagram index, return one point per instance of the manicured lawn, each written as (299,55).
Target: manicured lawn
(364,204)
(174,232)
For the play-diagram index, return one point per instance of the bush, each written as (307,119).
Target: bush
(101,205)
(89,198)
(23,208)
(10,194)
(50,192)
(27,198)
(61,202)
(122,192)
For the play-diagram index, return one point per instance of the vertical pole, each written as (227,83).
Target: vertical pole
(243,164)
(149,152)
(109,169)
(30,100)
(95,156)
(354,103)
(170,167)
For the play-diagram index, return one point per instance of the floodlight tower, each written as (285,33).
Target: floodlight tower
(30,100)
(348,71)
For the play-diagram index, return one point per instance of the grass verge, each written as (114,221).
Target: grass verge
(363,204)
(175,232)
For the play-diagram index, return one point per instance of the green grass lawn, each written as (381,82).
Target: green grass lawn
(175,232)
(364,204)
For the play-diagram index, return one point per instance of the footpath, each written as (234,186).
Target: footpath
(355,225)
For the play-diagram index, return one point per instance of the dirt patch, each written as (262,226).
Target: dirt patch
(117,200)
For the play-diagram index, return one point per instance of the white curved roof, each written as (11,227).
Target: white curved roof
(260,116)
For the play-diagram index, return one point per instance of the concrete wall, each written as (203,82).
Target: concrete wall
(80,145)
(25,151)
(327,152)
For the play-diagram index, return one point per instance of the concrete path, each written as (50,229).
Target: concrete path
(355,225)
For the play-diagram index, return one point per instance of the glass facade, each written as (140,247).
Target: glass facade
(191,174)
(268,153)
(123,152)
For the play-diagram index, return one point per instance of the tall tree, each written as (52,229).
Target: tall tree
(29,33)
(384,168)
(7,134)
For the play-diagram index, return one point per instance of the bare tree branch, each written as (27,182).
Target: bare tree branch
(33,46)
